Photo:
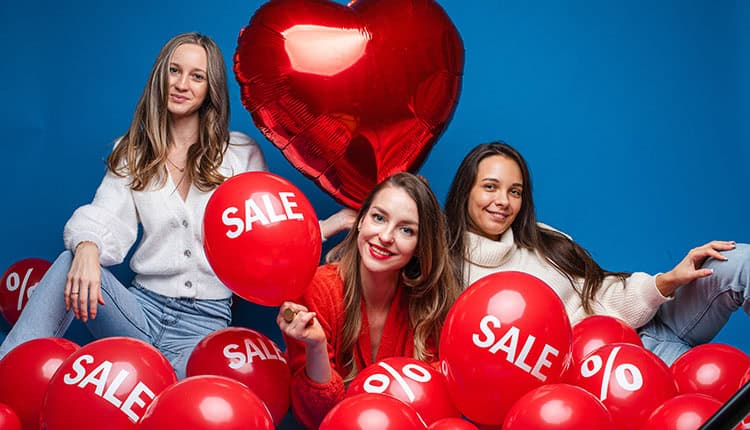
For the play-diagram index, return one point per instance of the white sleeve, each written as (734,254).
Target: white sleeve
(110,221)
(246,152)
(634,301)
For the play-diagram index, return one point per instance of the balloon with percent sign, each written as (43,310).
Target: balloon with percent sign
(505,335)
(558,407)
(452,424)
(629,380)
(18,284)
(713,369)
(683,412)
(412,381)
(25,374)
(369,411)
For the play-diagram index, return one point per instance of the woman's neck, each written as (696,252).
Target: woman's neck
(184,131)
(378,289)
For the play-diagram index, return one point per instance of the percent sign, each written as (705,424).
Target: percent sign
(13,282)
(592,365)
(379,382)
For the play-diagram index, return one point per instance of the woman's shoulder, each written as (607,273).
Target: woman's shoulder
(243,154)
(326,282)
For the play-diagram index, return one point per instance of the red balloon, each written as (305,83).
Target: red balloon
(249,357)
(629,380)
(262,238)
(26,372)
(452,424)
(8,418)
(207,402)
(350,95)
(713,369)
(745,380)
(683,412)
(507,334)
(367,411)
(18,284)
(595,331)
(111,380)
(414,382)
(599,330)
(558,407)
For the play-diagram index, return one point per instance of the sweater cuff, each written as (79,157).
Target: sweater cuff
(76,239)
(651,293)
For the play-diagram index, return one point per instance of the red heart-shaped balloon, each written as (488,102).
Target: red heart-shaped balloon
(350,94)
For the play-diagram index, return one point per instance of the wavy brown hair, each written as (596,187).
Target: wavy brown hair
(428,279)
(141,153)
(564,254)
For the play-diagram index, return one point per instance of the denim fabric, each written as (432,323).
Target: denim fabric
(172,325)
(700,309)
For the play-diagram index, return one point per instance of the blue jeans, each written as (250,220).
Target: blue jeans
(173,325)
(701,308)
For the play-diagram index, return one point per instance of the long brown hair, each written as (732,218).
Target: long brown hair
(141,153)
(564,254)
(428,279)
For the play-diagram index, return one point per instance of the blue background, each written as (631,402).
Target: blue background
(632,115)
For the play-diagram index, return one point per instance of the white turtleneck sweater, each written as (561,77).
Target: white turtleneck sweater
(635,301)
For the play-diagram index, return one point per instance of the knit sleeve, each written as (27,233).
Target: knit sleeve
(110,221)
(244,154)
(310,400)
(634,301)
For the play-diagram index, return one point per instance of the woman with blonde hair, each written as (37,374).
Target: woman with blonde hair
(385,292)
(160,175)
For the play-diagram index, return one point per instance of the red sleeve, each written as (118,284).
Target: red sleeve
(310,400)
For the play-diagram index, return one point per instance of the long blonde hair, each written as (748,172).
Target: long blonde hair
(429,283)
(141,153)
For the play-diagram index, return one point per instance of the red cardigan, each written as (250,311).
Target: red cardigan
(311,401)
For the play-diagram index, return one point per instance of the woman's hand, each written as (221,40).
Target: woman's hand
(340,221)
(689,269)
(83,284)
(297,322)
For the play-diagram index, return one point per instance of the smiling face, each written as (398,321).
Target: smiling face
(388,231)
(496,196)
(187,79)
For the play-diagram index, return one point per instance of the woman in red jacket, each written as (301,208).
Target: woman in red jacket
(385,292)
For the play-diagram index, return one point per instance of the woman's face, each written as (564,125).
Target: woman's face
(496,196)
(188,80)
(388,231)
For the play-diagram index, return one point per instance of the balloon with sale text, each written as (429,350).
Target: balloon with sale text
(350,94)
(18,284)
(110,380)
(249,357)
(262,238)
(505,335)
(412,381)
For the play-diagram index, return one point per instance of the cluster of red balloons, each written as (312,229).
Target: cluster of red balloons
(237,378)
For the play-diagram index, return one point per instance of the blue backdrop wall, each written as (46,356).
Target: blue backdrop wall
(632,114)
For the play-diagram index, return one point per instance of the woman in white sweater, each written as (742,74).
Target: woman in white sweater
(493,227)
(160,175)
